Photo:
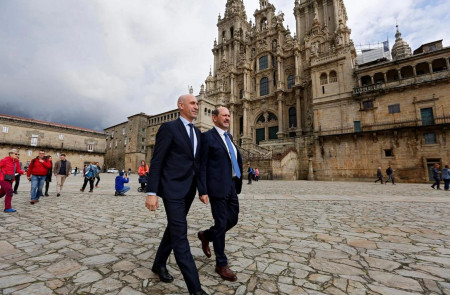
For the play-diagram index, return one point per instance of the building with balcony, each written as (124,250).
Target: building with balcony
(80,145)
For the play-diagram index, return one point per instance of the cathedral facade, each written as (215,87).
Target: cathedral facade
(303,108)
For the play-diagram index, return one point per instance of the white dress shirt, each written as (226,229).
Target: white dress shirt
(222,135)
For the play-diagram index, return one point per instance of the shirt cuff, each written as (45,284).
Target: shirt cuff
(151,194)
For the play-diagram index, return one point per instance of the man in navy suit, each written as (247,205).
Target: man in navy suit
(173,176)
(220,182)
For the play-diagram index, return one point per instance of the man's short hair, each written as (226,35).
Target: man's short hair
(215,112)
(63,154)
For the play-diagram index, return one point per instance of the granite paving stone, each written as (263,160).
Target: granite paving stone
(293,237)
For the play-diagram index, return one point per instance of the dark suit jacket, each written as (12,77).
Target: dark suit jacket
(173,166)
(215,166)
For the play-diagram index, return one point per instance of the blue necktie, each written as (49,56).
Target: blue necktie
(233,156)
(191,135)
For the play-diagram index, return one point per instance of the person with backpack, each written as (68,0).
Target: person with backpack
(9,167)
(37,174)
(89,176)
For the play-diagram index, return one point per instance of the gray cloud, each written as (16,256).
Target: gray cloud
(92,63)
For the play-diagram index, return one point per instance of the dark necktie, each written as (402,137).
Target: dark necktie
(191,135)
(233,156)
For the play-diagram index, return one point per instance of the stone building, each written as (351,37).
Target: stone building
(126,143)
(302,108)
(80,145)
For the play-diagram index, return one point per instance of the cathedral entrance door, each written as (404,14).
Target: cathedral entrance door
(273,132)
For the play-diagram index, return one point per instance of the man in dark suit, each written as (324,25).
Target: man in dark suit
(220,182)
(173,176)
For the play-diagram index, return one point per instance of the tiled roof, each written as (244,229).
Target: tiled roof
(49,123)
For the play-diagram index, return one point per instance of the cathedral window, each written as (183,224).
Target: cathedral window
(232,32)
(290,81)
(292,117)
(272,117)
(263,62)
(261,119)
(333,77)
(274,78)
(264,86)
(241,93)
(323,79)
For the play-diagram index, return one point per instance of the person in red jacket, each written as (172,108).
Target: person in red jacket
(9,167)
(37,173)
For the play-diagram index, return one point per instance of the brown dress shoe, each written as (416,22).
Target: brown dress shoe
(205,243)
(226,273)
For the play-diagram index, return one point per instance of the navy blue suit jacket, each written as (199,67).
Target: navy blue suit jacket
(215,166)
(173,166)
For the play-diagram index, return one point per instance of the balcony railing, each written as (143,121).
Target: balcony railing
(383,126)
(436,76)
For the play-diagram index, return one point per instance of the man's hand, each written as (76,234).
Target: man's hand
(204,199)
(29,177)
(152,203)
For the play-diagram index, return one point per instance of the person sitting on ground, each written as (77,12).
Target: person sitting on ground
(121,189)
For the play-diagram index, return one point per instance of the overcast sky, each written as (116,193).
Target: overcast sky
(93,63)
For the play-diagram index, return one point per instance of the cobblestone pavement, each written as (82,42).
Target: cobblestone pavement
(292,238)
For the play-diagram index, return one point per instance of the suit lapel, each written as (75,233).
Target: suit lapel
(182,130)
(219,139)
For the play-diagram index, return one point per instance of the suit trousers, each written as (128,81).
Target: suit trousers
(175,238)
(225,212)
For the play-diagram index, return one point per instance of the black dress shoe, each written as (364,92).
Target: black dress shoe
(201,292)
(163,274)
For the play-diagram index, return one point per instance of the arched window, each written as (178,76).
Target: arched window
(261,119)
(206,111)
(232,32)
(333,77)
(290,81)
(272,117)
(292,117)
(263,62)
(323,79)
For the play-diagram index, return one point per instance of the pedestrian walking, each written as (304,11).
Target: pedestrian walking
(250,173)
(121,179)
(37,173)
(75,172)
(390,174)
(379,175)
(48,179)
(63,168)
(89,176)
(220,182)
(173,176)
(18,175)
(436,176)
(256,174)
(9,166)
(97,176)
(446,177)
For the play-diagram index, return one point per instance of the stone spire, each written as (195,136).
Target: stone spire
(401,48)
(234,7)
